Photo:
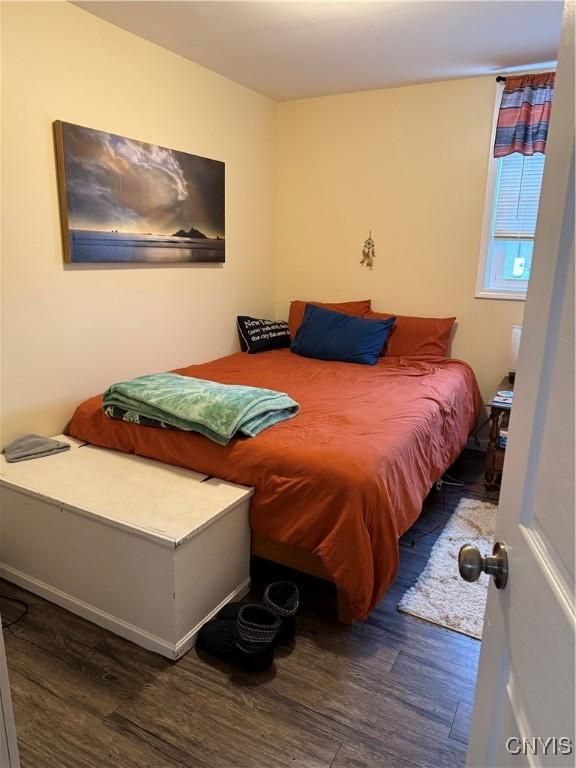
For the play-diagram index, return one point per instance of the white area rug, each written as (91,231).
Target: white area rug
(440,595)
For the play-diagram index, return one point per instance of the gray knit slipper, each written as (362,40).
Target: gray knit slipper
(247,641)
(283,599)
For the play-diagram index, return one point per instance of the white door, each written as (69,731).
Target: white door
(524,709)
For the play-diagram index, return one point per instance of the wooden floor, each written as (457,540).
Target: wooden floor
(392,692)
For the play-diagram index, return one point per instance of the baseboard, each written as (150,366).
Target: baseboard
(118,626)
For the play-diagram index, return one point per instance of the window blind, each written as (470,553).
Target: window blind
(518,187)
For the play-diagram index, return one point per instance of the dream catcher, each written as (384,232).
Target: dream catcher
(368,252)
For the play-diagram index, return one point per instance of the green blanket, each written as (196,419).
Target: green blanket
(218,411)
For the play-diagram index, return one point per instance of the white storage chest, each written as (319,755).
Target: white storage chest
(145,549)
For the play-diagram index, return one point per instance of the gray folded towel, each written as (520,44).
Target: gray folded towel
(33,447)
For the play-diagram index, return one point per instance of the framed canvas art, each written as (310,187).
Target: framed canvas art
(123,200)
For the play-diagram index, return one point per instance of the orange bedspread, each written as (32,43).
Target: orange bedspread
(347,476)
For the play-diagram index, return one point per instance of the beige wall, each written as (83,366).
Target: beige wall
(410,164)
(68,332)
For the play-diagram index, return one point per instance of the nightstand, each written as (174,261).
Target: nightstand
(499,416)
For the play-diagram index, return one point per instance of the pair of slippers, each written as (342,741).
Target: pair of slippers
(246,634)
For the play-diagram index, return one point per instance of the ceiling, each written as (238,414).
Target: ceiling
(293,49)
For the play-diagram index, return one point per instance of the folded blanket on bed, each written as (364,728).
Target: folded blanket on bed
(218,411)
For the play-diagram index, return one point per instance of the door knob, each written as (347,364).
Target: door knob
(471,564)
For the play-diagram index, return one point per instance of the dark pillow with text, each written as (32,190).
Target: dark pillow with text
(262,335)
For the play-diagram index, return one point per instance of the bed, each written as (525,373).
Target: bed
(336,486)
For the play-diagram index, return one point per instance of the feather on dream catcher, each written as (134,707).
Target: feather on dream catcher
(368,252)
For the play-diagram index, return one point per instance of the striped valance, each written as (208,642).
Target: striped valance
(524,115)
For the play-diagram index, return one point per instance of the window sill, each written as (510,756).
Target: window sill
(507,295)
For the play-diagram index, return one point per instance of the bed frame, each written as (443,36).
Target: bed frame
(300,560)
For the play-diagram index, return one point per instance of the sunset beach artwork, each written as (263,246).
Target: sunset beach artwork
(123,200)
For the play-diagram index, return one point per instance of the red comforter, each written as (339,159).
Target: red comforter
(347,476)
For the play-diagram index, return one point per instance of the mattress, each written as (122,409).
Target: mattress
(347,476)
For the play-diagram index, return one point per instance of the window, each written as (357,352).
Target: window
(516,198)
(512,200)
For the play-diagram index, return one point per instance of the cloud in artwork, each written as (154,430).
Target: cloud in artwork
(114,183)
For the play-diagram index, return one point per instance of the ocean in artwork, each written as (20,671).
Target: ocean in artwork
(96,246)
(124,200)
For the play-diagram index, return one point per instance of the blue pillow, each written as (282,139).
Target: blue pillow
(328,335)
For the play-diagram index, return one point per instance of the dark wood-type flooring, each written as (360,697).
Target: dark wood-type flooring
(392,692)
